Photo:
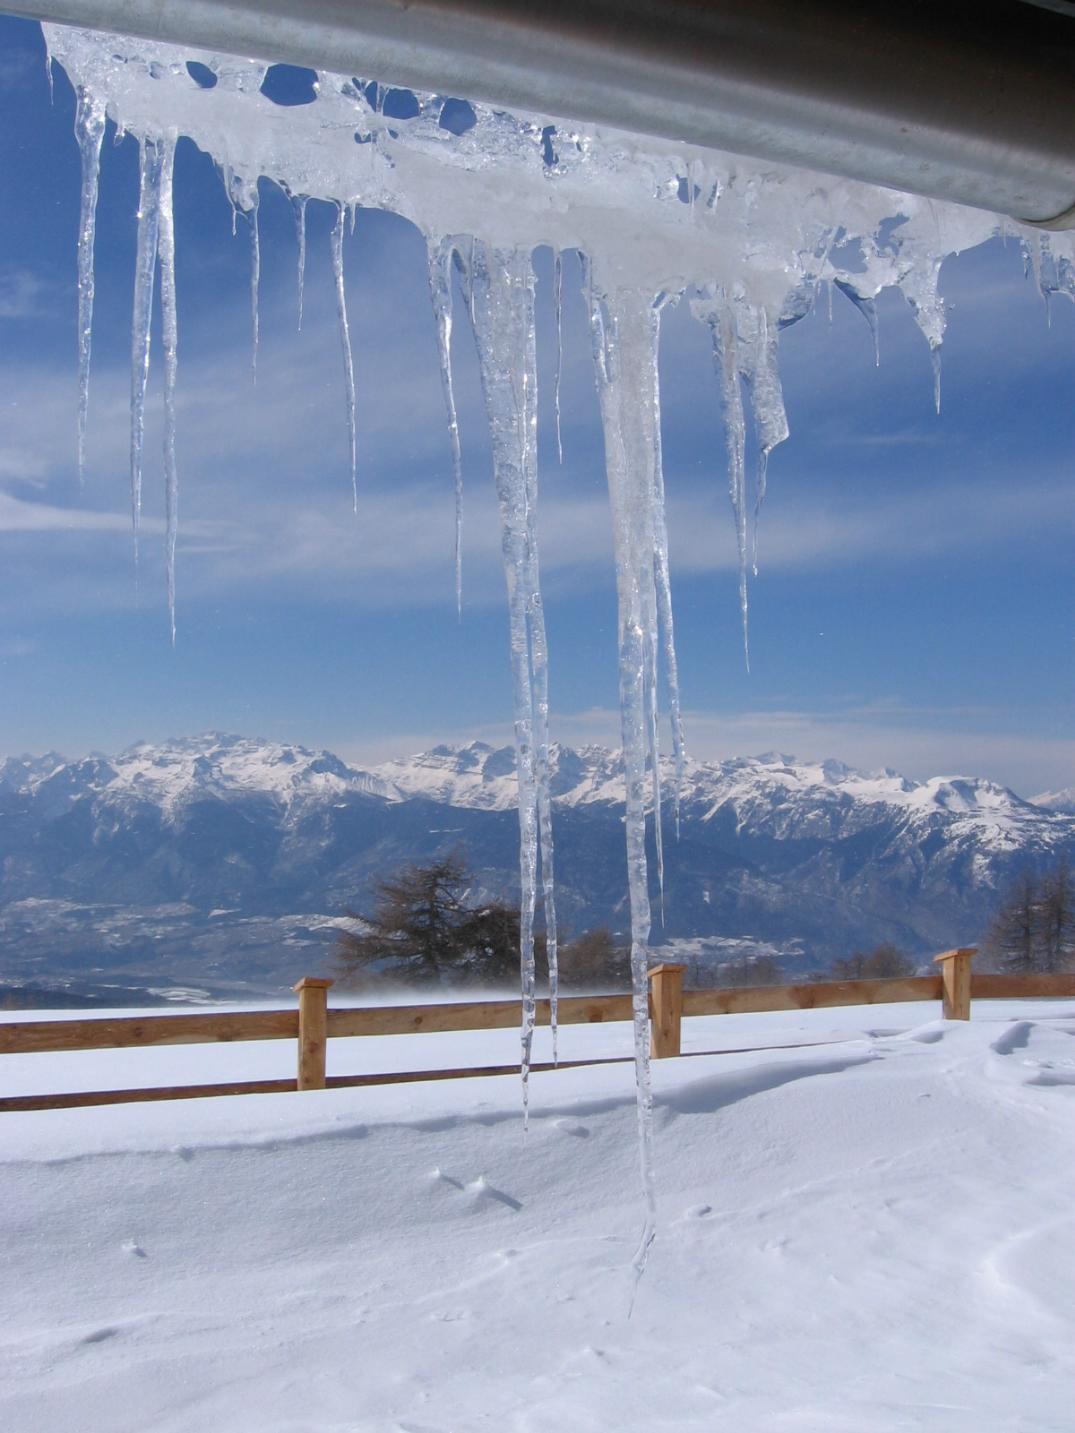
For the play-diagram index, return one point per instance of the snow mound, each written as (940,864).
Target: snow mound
(885,1220)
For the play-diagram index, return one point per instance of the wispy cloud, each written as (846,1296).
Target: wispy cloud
(23,294)
(20,69)
(19,515)
(265,494)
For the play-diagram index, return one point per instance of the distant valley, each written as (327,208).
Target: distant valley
(224,864)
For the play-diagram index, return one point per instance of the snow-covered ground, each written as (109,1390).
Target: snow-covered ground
(872,1234)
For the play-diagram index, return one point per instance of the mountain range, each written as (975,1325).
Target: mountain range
(225,863)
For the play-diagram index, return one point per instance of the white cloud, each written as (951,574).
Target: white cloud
(22,293)
(19,515)
(265,499)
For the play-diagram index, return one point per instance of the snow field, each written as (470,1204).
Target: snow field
(873,1234)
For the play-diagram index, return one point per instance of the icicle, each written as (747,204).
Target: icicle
(48,72)
(653,743)
(255,284)
(150,161)
(664,611)
(169,343)
(539,663)
(868,309)
(625,328)
(671,665)
(558,292)
(500,289)
(920,284)
(761,374)
(935,363)
(470,291)
(745,355)
(440,288)
(89,130)
(345,345)
(299,203)
(720,319)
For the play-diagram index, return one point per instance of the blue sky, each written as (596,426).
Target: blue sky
(914,607)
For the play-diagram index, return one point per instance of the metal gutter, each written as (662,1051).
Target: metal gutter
(961,101)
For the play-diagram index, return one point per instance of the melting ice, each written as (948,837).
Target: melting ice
(749,245)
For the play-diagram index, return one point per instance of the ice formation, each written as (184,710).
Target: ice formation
(750,245)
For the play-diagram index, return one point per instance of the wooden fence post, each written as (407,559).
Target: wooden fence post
(665,1009)
(955,973)
(313,1031)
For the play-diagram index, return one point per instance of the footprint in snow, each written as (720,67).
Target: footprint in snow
(100,1335)
(438,1176)
(925,1034)
(1016,1037)
(479,1190)
(571,1127)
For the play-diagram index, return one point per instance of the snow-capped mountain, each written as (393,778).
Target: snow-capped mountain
(1057,800)
(220,857)
(178,772)
(774,790)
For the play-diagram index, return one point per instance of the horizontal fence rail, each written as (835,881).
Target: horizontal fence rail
(755,999)
(313,1024)
(474,1015)
(125,1032)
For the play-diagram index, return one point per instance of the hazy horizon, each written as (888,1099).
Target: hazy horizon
(366,758)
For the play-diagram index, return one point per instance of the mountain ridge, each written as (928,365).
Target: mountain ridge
(219,855)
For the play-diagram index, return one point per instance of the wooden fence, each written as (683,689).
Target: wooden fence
(313,1024)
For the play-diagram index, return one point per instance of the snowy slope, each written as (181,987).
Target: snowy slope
(870,1235)
(1057,800)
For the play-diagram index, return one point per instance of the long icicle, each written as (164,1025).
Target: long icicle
(440,289)
(500,289)
(653,745)
(345,345)
(255,286)
(299,203)
(664,602)
(150,162)
(170,345)
(558,296)
(624,328)
(721,320)
(89,131)
(539,662)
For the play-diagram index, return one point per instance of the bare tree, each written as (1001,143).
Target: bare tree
(885,962)
(1056,920)
(423,930)
(849,967)
(1012,940)
(750,970)
(593,959)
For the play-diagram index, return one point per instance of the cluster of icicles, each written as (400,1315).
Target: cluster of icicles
(750,247)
